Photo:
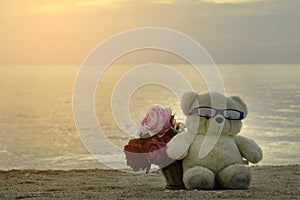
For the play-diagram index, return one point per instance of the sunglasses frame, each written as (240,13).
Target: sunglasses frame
(195,111)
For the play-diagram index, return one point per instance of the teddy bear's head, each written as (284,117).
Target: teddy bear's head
(213,112)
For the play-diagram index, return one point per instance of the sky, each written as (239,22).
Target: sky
(232,31)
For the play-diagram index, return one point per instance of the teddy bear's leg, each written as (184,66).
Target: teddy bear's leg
(236,176)
(198,178)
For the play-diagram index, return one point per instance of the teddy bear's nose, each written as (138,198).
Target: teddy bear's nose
(219,120)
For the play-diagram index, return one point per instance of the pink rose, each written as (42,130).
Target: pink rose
(157,120)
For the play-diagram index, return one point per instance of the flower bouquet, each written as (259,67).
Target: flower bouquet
(155,131)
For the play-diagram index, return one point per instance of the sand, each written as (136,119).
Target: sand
(269,182)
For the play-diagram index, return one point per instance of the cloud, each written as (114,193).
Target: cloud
(15,7)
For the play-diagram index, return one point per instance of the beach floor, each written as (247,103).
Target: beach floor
(269,182)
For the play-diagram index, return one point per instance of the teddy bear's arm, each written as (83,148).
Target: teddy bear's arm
(249,149)
(179,145)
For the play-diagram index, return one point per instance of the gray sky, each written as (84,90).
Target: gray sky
(233,31)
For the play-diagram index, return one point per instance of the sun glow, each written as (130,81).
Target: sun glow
(231,1)
(162,1)
(69,6)
(49,8)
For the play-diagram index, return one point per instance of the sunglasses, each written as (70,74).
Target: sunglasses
(209,112)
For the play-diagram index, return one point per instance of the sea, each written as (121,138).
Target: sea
(38,130)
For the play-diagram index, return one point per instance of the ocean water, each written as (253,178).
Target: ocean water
(37,129)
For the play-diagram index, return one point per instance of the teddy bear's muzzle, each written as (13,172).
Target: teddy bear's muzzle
(219,120)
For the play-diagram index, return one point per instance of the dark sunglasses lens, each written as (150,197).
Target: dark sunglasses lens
(205,112)
(233,114)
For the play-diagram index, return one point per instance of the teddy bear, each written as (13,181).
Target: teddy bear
(213,154)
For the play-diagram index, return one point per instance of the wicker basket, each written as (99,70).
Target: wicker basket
(173,176)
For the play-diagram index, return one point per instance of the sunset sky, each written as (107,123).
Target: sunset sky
(65,31)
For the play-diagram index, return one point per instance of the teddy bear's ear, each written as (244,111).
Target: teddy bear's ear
(186,101)
(242,105)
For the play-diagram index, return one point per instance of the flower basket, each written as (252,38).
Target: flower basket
(156,130)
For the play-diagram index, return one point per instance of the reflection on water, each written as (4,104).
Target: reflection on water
(37,128)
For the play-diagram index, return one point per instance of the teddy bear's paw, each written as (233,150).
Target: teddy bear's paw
(235,176)
(198,182)
(198,178)
(178,146)
(172,151)
(256,156)
(240,181)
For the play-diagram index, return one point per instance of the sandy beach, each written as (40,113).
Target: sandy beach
(269,182)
